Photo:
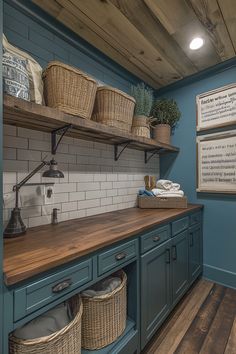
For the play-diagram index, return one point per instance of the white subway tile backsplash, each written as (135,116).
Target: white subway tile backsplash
(64,187)
(29,155)
(15,142)
(9,154)
(69,206)
(9,130)
(15,165)
(106,185)
(76,196)
(93,182)
(95,194)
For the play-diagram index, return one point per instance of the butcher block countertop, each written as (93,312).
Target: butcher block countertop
(48,246)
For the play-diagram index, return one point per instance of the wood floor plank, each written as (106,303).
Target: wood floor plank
(170,335)
(196,333)
(217,337)
(231,345)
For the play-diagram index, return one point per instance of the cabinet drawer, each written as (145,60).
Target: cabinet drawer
(117,255)
(195,218)
(180,225)
(33,296)
(154,238)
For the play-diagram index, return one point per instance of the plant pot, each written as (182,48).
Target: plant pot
(141,126)
(161,132)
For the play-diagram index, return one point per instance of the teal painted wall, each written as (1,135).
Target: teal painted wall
(220,211)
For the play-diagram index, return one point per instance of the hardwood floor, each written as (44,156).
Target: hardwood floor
(204,322)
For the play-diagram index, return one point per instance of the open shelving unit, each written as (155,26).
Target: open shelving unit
(30,115)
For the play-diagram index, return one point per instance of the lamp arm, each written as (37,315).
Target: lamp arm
(31,174)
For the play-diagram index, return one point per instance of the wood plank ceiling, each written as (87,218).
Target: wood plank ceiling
(150,38)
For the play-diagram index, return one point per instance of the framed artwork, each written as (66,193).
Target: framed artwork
(216,108)
(216,163)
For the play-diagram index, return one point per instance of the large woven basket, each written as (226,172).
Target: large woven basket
(114,108)
(69,89)
(104,317)
(162,202)
(65,341)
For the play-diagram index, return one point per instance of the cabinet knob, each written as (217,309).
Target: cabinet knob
(61,286)
(156,238)
(121,256)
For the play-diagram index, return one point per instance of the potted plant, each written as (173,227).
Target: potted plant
(144,99)
(165,115)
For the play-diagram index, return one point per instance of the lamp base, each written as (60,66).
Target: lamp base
(15,226)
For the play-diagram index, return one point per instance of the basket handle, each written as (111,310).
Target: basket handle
(62,286)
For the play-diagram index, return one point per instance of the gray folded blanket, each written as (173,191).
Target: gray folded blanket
(48,323)
(103,287)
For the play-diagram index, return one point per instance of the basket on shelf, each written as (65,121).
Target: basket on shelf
(114,108)
(162,202)
(141,126)
(104,317)
(69,89)
(67,340)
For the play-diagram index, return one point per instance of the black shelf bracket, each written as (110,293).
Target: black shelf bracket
(124,145)
(59,131)
(154,152)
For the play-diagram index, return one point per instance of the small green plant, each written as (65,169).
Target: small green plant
(165,111)
(144,99)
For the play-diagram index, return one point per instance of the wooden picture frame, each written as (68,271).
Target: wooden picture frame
(216,163)
(216,108)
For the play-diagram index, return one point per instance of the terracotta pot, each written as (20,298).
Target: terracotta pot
(141,126)
(161,132)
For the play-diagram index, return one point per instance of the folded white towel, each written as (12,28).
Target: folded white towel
(170,193)
(175,187)
(164,184)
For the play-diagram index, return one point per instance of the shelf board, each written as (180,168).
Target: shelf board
(130,325)
(30,115)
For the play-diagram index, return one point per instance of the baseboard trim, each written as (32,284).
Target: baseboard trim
(219,275)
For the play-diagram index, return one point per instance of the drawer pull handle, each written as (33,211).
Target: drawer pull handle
(167,256)
(191,239)
(61,286)
(174,253)
(156,238)
(121,256)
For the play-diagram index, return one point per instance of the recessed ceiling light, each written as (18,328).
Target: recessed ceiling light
(196,43)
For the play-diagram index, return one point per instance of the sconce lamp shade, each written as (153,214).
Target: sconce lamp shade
(53,171)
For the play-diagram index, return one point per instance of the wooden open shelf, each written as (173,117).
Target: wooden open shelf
(29,115)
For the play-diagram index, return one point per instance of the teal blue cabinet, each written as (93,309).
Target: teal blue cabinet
(195,252)
(155,289)
(179,265)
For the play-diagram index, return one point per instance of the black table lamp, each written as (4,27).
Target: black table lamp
(16,226)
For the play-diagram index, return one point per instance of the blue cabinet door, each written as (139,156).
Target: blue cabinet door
(179,265)
(195,252)
(155,290)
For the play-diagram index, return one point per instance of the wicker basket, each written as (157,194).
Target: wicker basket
(104,317)
(162,202)
(114,108)
(65,341)
(69,89)
(141,126)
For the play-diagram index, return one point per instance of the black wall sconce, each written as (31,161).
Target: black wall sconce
(16,226)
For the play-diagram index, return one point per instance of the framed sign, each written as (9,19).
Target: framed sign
(216,163)
(216,108)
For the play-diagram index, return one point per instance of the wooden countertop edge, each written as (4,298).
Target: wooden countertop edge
(11,280)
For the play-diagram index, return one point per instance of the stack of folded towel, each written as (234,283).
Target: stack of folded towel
(166,188)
